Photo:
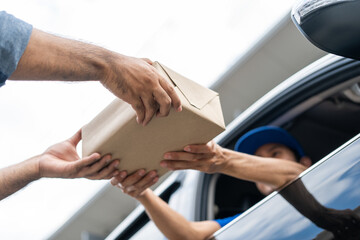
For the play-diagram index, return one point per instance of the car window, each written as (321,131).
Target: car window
(138,225)
(321,120)
(149,229)
(332,183)
(321,123)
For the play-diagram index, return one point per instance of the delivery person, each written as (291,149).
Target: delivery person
(268,156)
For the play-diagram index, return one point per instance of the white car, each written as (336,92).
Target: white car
(320,107)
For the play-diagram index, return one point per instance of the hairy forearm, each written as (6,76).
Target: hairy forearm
(272,171)
(173,225)
(49,57)
(17,176)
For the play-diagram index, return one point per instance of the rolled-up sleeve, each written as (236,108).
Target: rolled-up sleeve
(222,222)
(14,37)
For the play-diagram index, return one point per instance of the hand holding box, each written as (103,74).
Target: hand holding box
(116,131)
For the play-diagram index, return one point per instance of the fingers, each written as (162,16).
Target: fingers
(119,178)
(161,100)
(139,108)
(203,157)
(148,61)
(165,96)
(134,178)
(138,83)
(135,183)
(182,156)
(193,152)
(93,167)
(170,91)
(106,172)
(164,102)
(200,148)
(150,182)
(143,183)
(151,107)
(179,164)
(86,161)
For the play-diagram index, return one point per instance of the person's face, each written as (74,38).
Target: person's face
(276,150)
(273,150)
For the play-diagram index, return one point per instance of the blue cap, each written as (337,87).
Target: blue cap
(258,137)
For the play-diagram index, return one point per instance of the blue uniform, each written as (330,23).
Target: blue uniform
(222,222)
(14,37)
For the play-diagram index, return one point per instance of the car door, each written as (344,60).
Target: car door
(277,107)
(331,185)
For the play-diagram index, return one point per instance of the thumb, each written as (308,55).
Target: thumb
(75,139)
(147,60)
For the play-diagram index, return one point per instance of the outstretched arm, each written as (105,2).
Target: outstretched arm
(172,224)
(211,158)
(59,161)
(344,224)
(136,81)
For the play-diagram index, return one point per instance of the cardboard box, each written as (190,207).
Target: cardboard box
(116,131)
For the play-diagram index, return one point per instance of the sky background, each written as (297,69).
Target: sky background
(199,39)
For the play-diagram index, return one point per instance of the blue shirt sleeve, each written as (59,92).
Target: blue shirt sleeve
(222,222)
(14,37)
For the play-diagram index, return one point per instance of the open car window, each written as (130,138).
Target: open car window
(329,186)
(316,109)
(321,121)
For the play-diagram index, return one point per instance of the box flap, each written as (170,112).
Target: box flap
(116,131)
(197,95)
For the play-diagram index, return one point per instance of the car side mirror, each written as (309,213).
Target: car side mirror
(331,25)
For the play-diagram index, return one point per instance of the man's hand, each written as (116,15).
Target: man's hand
(59,161)
(137,82)
(62,161)
(207,158)
(135,185)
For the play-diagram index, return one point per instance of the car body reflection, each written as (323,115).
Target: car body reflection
(334,182)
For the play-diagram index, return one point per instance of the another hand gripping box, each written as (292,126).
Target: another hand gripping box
(116,131)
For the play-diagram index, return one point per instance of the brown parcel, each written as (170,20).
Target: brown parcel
(116,131)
